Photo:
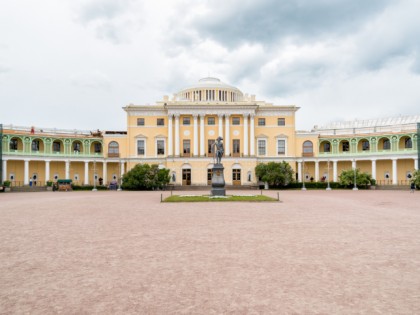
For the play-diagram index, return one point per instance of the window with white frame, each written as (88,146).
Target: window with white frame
(141,147)
(262,146)
(160,147)
(281,146)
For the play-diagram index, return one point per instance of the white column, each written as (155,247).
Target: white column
(67,169)
(202,151)
(299,171)
(176,135)
(252,137)
(220,125)
(374,169)
(353,164)
(4,177)
(86,173)
(227,136)
(335,177)
(394,172)
(26,173)
(245,134)
(104,173)
(122,168)
(416,164)
(316,171)
(195,151)
(47,171)
(170,138)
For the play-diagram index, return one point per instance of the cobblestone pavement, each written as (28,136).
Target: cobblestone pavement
(316,252)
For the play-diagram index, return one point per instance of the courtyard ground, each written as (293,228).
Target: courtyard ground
(316,252)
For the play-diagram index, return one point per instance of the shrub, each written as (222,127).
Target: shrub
(145,177)
(275,174)
(88,187)
(362,179)
(49,183)
(7,183)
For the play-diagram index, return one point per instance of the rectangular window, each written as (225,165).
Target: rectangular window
(140,147)
(236,121)
(76,147)
(186,121)
(327,147)
(281,147)
(211,121)
(140,121)
(35,145)
(160,144)
(261,147)
(236,147)
(387,144)
(13,144)
(56,146)
(281,122)
(346,147)
(160,122)
(210,147)
(186,147)
(98,148)
(236,174)
(365,145)
(261,121)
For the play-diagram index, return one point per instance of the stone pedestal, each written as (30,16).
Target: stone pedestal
(218,181)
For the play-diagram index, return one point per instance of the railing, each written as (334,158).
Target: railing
(401,182)
(379,152)
(56,154)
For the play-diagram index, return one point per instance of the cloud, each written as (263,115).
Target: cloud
(4,69)
(91,80)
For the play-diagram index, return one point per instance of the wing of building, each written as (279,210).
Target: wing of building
(178,132)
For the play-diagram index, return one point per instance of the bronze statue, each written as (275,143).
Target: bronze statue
(218,150)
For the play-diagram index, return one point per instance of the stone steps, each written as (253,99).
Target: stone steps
(28,189)
(393,187)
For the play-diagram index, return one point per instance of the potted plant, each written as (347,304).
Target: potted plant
(49,185)
(6,185)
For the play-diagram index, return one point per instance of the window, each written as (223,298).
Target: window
(76,146)
(113,148)
(209,175)
(345,145)
(35,145)
(365,145)
(327,147)
(13,144)
(261,147)
(236,174)
(186,147)
(98,147)
(308,148)
(236,120)
(210,147)
(408,144)
(140,121)
(211,121)
(56,146)
(141,149)
(160,145)
(186,121)
(261,121)
(281,122)
(160,122)
(236,147)
(387,144)
(281,147)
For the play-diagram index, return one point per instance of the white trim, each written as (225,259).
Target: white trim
(277,146)
(136,145)
(164,146)
(265,146)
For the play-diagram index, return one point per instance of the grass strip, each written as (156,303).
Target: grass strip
(180,198)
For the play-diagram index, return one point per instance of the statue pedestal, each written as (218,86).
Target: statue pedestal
(218,181)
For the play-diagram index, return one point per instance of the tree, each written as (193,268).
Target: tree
(416,178)
(275,174)
(145,177)
(346,178)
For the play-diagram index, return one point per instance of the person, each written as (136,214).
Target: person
(412,186)
(218,150)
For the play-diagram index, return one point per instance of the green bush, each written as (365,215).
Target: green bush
(146,177)
(363,180)
(7,183)
(275,174)
(88,187)
(49,183)
(416,178)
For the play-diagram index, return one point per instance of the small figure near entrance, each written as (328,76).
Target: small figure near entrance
(412,187)
(218,150)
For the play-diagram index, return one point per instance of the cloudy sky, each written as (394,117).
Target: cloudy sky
(75,63)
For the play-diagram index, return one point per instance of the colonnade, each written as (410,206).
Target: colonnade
(199,142)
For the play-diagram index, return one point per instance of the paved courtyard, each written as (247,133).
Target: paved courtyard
(316,252)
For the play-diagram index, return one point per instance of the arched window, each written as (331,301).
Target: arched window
(408,144)
(113,149)
(308,148)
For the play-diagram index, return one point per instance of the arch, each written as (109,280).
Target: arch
(344,146)
(186,166)
(96,147)
(384,143)
(57,146)
(363,145)
(325,146)
(113,149)
(405,143)
(77,147)
(15,144)
(236,166)
(37,145)
(307,148)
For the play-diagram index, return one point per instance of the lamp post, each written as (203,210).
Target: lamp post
(119,176)
(355,186)
(303,174)
(328,175)
(94,176)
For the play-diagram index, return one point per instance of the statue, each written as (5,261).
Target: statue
(218,150)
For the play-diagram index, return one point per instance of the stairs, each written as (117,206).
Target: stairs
(28,189)
(393,187)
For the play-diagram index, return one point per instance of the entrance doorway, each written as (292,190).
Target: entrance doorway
(209,175)
(236,177)
(186,177)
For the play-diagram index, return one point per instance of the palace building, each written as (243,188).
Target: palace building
(177,133)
